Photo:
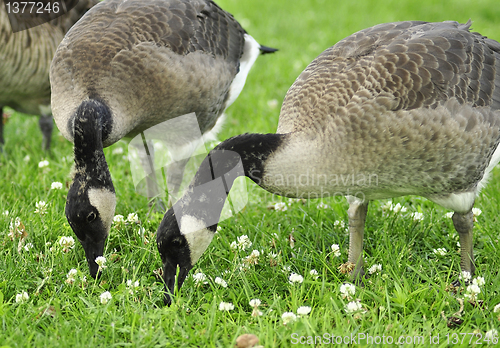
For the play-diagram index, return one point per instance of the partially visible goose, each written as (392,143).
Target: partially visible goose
(25,58)
(409,108)
(129,65)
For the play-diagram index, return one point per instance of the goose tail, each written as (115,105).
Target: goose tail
(265,49)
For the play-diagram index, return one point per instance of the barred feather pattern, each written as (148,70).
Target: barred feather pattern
(26,58)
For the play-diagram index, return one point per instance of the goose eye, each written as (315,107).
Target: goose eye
(91,217)
(177,242)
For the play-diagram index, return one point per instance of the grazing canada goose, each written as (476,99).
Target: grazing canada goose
(127,66)
(26,57)
(408,108)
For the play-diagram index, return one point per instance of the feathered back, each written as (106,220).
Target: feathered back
(154,54)
(404,66)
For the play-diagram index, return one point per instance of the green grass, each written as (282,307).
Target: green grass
(408,298)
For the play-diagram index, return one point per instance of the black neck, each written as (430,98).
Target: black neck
(243,155)
(88,141)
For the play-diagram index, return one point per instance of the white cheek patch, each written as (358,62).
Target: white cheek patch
(105,203)
(197,236)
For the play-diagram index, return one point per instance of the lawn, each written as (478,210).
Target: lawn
(286,259)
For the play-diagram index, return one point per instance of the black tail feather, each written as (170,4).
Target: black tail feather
(265,49)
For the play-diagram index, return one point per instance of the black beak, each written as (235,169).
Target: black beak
(169,273)
(92,251)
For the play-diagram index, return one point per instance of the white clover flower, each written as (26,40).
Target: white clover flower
(375,269)
(27,158)
(5,213)
(56,185)
(22,297)
(273,255)
(347,290)
(322,205)
(449,215)
(131,284)
(43,164)
(41,207)
(220,281)
(226,306)
(496,309)
(304,310)
(353,306)
(287,269)
(296,278)
(255,303)
(234,245)
(70,277)
(105,297)
(398,208)
(416,216)
(67,243)
(314,274)
(118,218)
(465,276)
(101,260)
(133,218)
(387,206)
(200,278)
(336,250)
(244,242)
(479,281)
(476,211)
(288,317)
(338,223)
(16,228)
(280,206)
(253,258)
(28,246)
(473,289)
(440,251)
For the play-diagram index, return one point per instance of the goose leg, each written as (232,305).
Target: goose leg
(357,217)
(46,125)
(463,224)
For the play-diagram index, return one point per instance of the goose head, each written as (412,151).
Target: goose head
(180,245)
(91,201)
(189,226)
(90,212)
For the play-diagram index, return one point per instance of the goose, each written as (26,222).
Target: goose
(128,65)
(406,108)
(24,72)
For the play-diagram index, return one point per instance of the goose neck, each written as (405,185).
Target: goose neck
(244,155)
